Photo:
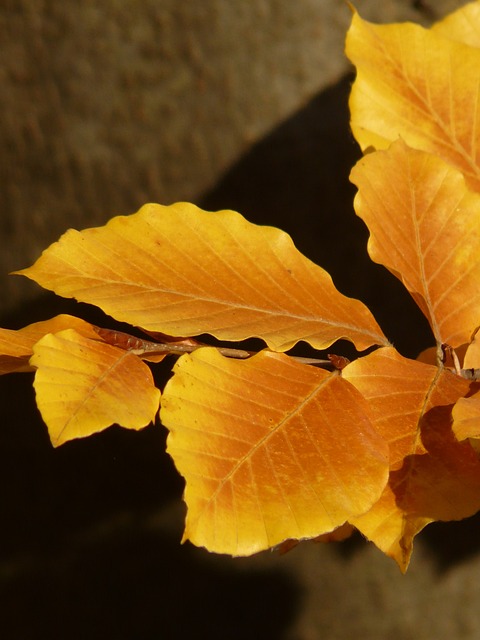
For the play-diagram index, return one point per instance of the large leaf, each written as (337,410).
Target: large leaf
(183,271)
(16,346)
(416,84)
(83,386)
(433,477)
(270,450)
(425,228)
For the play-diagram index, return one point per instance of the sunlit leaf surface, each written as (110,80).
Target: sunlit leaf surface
(183,271)
(415,84)
(425,228)
(466,417)
(432,476)
(83,386)
(16,346)
(270,450)
(462,25)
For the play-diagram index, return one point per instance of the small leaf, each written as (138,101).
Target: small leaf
(471,359)
(432,476)
(270,450)
(16,346)
(183,271)
(425,228)
(83,386)
(415,84)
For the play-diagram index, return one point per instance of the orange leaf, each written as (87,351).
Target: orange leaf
(337,535)
(83,386)
(425,228)
(16,346)
(432,477)
(418,85)
(270,450)
(471,359)
(183,271)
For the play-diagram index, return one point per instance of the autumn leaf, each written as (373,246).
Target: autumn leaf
(418,85)
(270,450)
(466,417)
(432,476)
(337,535)
(16,346)
(183,271)
(83,386)
(462,25)
(471,359)
(425,228)
(466,412)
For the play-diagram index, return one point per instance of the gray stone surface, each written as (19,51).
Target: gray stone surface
(107,105)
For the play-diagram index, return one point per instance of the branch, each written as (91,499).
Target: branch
(141,347)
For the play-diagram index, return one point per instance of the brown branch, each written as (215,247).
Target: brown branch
(141,347)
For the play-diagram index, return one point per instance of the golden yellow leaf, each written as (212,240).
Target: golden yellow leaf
(337,535)
(425,228)
(183,271)
(270,450)
(83,386)
(466,412)
(462,25)
(415,84)
(432,476)
(16,346)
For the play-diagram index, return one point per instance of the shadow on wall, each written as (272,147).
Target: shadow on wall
(297,179)
(89,544)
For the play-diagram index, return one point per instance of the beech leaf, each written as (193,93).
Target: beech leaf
(462,25)
(16,346)
(425,228)
(270,450)
(183,271)
(432,475)
(418,85)
(466,417)
(83,386)
(471,359)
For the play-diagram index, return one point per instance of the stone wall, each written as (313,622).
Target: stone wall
(107,105)
(230,104)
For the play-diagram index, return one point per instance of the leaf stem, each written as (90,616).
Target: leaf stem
(141,347)
(158,348)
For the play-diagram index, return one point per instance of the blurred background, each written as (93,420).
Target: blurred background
(228,104)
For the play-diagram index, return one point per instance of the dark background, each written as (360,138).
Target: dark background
(240,118)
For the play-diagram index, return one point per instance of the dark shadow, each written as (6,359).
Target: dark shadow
(296,178)
(80,556)
(442,483)
(131,582)
(452,543)
(137,584)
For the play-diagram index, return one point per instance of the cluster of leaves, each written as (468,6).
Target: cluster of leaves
(274,450)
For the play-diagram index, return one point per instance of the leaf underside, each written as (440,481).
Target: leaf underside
(432,475)
(183,271)
(83,386)
(270,450)
(425,228)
